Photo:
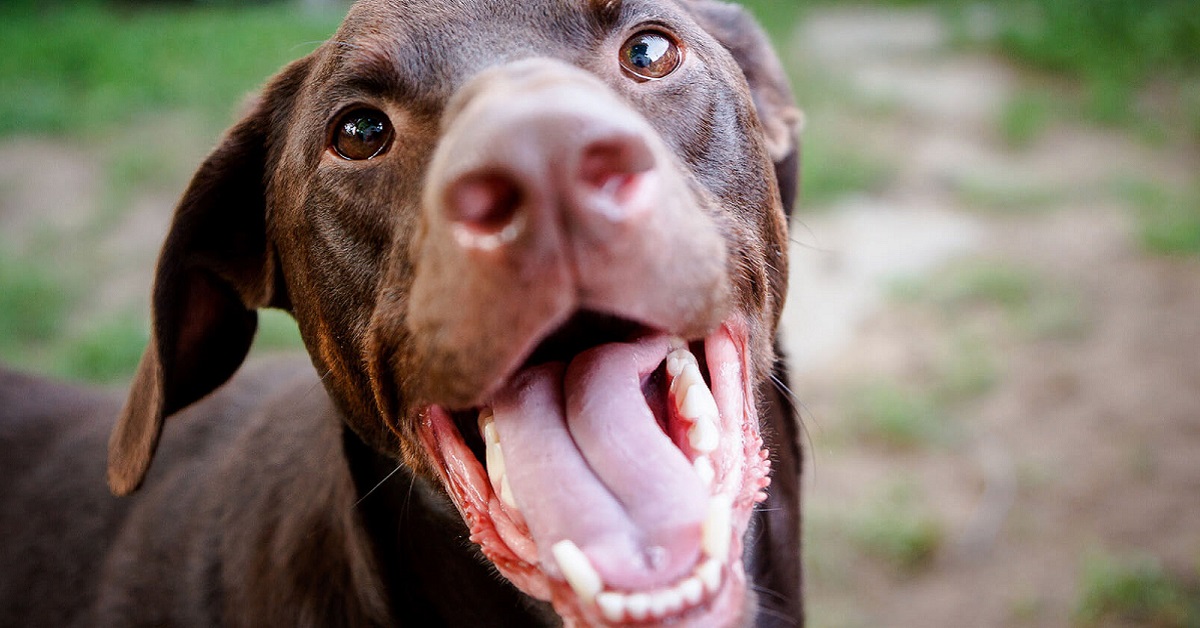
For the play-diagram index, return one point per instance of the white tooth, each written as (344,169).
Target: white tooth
(674,365)
(704,468)
(506,496)
(677,344)
(718,527)
(638,606)
(493,455)
(612,606)
(698,403)
(709,573)
(703,436)
(688,376)
(658,604)
(665,602)
(577,569)
(692,590)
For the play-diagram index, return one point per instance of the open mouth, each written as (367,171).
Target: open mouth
(615,476)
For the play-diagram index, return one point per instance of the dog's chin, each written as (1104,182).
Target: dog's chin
(615,480)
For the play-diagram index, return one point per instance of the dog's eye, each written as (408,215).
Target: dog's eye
(650,55)
(362,134)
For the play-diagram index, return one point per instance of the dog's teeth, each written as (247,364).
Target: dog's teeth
(698,403)
(578,570)
(675,343)
(612,605)
(506,495)
(493,454)
(709,573)
(666,602)
(703,436)
(677,359)
(689,375)
(718,527)
(638,606)
(704,468)
(692,590)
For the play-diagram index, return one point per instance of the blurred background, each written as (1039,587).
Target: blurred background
(994,317)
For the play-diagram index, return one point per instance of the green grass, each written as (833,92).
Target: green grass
(900,417)
(1114,46)
(897,529)
(1168,220)
(108,352)
(33,306)
(79,67)
(1006,197)
(1134,591)
(1025,117)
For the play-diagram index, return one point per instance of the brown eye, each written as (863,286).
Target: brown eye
(362,134)
(650,55)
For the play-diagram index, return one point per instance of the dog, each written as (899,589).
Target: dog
(537,254)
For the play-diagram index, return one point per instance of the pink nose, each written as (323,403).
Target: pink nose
(577,171)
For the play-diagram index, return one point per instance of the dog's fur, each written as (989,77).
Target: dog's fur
(274,497)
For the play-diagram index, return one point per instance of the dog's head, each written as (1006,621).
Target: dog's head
(536,251)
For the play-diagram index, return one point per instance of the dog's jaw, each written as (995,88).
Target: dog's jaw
(716,433)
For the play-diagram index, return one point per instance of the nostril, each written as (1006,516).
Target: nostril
(612,166)
(485,205)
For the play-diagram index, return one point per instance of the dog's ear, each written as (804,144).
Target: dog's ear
(737,30)
(215,269)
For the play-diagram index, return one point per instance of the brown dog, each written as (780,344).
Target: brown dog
(536,250)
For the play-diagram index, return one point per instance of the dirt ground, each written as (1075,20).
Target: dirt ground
(1083,444)
(1056,387)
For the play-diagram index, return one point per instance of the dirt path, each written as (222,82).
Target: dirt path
(1061,363)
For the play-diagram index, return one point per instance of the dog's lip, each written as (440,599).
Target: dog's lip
(740,465)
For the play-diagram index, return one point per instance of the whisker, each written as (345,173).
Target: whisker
(373,489)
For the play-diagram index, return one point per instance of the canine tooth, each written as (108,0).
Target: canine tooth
(698,403)
(704,468)
(718,527)
(703,436)
(638,606)
(612,606)
(493,454)
(692,590)
(506,495)
(577,569)
(709,573)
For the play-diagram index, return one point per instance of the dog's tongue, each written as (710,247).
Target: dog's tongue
(588,462)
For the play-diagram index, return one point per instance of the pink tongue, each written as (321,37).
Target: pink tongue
(587,461)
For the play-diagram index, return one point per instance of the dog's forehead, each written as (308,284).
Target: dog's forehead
(432,47)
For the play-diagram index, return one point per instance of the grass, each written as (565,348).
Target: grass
(1168,220)
(897,416)
(1133,591)
(1005,197)
(78,67)
(1025,117)
(33,306)
(1030,304)
(898,530)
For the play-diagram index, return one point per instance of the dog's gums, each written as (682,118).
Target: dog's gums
(617,484)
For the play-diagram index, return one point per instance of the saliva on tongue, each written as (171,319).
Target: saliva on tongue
(588,461)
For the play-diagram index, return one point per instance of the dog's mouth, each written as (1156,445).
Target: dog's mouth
(614,473)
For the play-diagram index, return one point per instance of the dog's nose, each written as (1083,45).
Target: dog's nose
(573,169)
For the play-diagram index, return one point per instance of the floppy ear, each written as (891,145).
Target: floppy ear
(737,30)
(215,269)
